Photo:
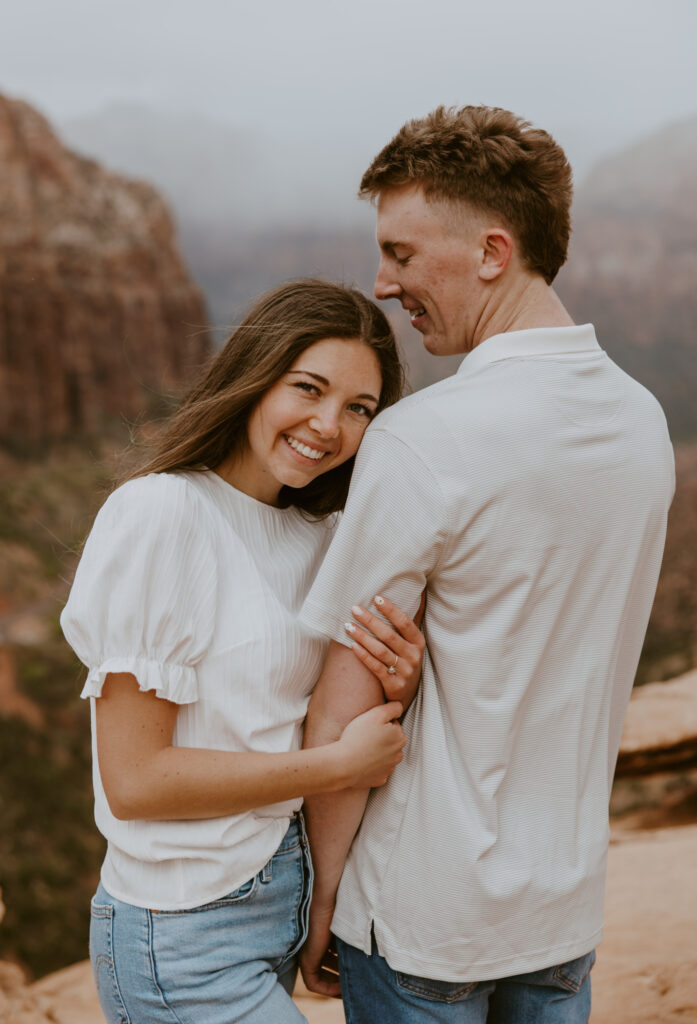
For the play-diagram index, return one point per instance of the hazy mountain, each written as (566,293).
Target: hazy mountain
(633,265)
(215,174)
(656,174)
(253,212)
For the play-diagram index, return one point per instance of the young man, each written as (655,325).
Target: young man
(528,496)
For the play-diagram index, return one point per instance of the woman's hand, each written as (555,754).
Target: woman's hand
(318,959)
(372,745)
(394,656)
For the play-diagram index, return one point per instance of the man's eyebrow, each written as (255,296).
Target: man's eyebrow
(323,380)
(390,246)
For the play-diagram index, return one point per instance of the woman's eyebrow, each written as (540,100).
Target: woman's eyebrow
(323,380)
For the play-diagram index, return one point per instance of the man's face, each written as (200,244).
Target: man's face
(430,260)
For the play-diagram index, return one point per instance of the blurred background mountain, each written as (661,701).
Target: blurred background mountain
(250,214)
(108,302)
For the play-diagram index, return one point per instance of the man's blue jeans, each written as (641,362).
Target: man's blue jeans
(373,992)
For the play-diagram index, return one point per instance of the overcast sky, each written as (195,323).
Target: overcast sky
(343,76)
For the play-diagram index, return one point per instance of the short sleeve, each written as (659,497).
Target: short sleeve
(390,538)
(144,596)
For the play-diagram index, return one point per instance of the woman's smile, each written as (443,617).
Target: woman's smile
(304,450)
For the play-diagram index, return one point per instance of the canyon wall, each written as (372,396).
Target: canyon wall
(99,317)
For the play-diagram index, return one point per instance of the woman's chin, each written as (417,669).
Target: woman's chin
(298,480)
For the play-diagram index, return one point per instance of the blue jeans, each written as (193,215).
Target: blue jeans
(373,992)
(229,960)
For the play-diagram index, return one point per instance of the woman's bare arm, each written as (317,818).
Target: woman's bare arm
(144,776)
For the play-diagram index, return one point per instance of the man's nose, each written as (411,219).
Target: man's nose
(385,285)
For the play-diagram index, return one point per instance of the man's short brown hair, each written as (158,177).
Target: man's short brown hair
(494,161)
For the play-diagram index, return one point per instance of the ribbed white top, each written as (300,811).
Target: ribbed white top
(194,587)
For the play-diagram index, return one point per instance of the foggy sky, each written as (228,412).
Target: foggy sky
(341,77)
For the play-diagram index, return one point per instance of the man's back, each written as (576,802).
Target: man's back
(530,493)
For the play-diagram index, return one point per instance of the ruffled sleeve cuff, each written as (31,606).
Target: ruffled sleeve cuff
(169,680)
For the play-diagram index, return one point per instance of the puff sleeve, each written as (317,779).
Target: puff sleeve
(144,596)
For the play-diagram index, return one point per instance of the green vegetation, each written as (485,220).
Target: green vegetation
(50,851)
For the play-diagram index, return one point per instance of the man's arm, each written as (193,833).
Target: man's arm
(345,689)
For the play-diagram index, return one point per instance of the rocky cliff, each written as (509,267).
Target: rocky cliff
(98,315)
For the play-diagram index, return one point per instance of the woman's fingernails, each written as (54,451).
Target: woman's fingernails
(379,600)
(357,611)
(349,627)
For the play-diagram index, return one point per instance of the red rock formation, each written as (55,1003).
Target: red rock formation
(98,316)
(660,730)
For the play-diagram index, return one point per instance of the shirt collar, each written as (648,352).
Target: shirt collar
(539,341)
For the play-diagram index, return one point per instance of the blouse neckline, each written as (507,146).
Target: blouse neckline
(231,493)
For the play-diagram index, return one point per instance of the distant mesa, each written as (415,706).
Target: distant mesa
(633,265)
(99,317)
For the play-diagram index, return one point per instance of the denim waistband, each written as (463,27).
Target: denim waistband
(295,835)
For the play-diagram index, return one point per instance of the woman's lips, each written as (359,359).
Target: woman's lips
(304,450)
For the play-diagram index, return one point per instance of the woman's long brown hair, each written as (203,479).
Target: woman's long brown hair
(211,422)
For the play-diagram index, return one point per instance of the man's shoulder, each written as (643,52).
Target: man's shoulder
(420,410)
(422,421)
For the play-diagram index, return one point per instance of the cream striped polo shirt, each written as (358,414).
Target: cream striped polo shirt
(528,493)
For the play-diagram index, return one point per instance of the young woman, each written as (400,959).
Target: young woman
(184,609)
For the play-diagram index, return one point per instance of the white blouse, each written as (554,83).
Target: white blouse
(195,588)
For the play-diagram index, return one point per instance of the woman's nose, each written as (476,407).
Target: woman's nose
(325,422)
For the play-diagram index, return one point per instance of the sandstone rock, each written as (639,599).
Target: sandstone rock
(647,963)
(69,996)
(18,1004)
(660,730)
(98,316)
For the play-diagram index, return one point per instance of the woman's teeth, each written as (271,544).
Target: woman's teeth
(309,453)
(414,313)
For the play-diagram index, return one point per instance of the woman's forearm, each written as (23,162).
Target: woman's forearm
(145,776)
(188,783)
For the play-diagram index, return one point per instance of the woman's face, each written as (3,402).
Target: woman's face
(310,421)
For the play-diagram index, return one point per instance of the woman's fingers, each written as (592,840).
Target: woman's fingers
(384,642)
(376,665)
(384,652)
(381,630)
(399,619)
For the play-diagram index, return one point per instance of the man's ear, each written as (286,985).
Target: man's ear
(497,249)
